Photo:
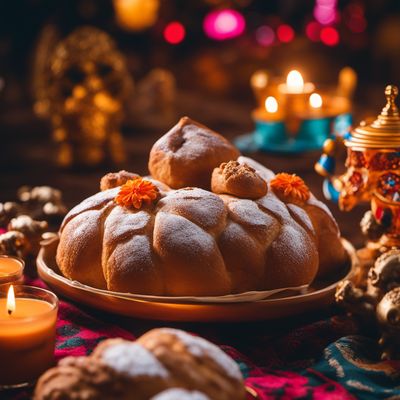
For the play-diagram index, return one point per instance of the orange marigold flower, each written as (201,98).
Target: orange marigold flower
(291,186)
(135,192)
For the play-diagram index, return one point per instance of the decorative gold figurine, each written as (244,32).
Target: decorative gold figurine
(87,84)
(372,175)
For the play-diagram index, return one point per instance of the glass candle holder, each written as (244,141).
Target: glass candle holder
(11,269)
(27,335)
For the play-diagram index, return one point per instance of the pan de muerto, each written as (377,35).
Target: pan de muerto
(254,231)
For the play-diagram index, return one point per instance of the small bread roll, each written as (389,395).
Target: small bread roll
(162,364)
(114,179)
(187,155)
(239,180)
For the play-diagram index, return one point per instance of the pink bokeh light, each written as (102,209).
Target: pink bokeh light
(325,11)
(265,35)
(224,24)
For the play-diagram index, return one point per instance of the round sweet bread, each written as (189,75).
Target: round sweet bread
(162,364)
(145,237)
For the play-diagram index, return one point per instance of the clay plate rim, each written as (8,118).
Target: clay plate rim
(318,297)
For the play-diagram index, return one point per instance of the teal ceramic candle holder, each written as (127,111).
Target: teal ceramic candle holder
(273,136)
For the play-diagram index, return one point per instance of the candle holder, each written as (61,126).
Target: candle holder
(11,269)
(27,334)
(372,175)
(292,117)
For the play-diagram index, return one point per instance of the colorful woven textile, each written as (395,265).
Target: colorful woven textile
(298,359)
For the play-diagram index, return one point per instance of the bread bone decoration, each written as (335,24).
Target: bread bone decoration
(168,234)
(162,364)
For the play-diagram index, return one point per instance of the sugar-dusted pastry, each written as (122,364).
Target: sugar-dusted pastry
(187,155)
(163,364)
(239,180)
(254,231)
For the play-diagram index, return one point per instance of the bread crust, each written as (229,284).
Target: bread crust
(187,155)
(246,234)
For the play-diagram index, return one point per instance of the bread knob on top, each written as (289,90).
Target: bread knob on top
(239,180)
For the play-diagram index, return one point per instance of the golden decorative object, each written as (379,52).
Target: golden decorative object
(86,86)
(373,175)
(136,15)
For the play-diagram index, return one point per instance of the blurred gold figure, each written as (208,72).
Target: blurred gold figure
(86,84)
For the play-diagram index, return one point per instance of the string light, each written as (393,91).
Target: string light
(265,35)
(174,32)
(313,30)
(325,11)
(354,18)
(224,24)
(285,33)
(329,36)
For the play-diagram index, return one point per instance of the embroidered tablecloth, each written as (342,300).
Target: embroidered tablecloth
(319,356)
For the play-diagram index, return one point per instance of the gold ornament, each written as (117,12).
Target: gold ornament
(373,175)
(87,84)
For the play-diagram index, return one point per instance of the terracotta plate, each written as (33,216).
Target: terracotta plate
(318,295)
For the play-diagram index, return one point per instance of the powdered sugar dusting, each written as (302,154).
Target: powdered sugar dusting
(197,205)
(180,394)
(200,347)
(247,212)
(95,201)
(301,216)
(122,223)
(133,360)
(276,207)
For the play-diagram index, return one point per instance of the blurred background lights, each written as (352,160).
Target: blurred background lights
(285,33)
(174,32)
(224,24)
(329,36)
(325,11)
(313,30)
(355,18)
(315,100)
(271,105)
(265,35)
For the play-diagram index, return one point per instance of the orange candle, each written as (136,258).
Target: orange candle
(27,334)
(11,269)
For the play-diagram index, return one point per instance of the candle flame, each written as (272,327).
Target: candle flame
(271,105)
(315,100)
(295,82)
(10,300)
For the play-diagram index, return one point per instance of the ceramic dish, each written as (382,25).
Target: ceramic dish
(278,305)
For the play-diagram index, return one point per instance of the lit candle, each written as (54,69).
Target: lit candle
(11,269)
(295,84)
(271,105)
(270,111)
(27,335)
